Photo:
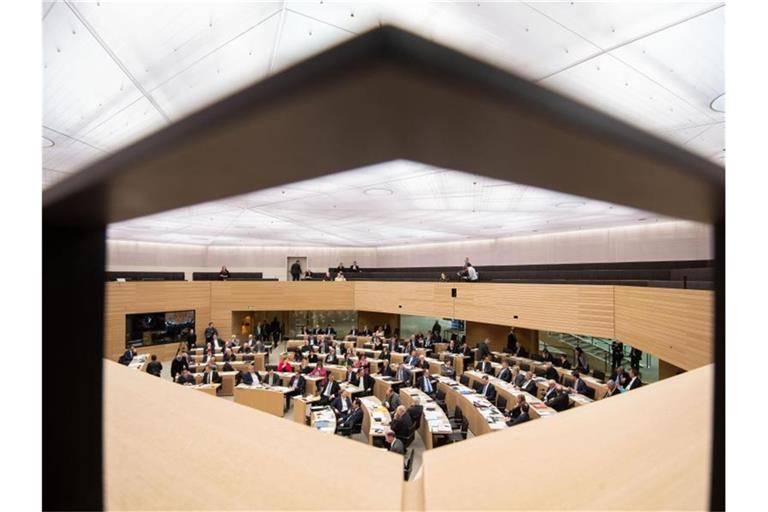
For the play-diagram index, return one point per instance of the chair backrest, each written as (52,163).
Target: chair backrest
(501,402)
(464,427)
(458,414)
(590,392)
(440,394)
(537,357)
(478,387)
(600,375)
(416,412)
(539,371)
(568,380)
(525,366)
(464,380)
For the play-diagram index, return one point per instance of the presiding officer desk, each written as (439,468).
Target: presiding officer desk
(434,422)
(482,415)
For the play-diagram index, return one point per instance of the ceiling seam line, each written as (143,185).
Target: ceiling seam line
(50,8)
(278,38)
(603,51)
(74,138)
(120,111)
(705,130)
(321,21)
(116,60)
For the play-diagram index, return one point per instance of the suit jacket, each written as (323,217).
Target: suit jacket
(560,402)
(248,379)
(529,387)
(301,384)
(338,404)
(367,382)
(155,367)
(392,401)
(522,418)
(397,446)
(566,365)
(227,367)
(550,394)
(274,381)
(420,383)
(189,380)
(482,351)
(355,417)
(489,393)
(505,374)
(387,371)
(580,387)
(406,374)
(331,358)
(334,389)
(634,384)
(354,380)
(612,393)
(519,379)
(211,378)
(620,381)
(402,425)
(177,366)
(551,373)
(485,367)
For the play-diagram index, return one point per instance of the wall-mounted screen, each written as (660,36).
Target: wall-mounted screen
(146,329)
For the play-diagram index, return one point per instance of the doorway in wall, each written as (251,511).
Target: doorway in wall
(289,263)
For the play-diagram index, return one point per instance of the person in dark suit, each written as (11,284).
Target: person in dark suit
(551,391)
(518,377)
(634,358)
(620,377)
(505,373)
(127,356)
(227,367)
(351,375)
(617,353)
(483,350)
(401,423)
(560,401)
(529,385)
(296,271)
(447,370)
(154,367)
(564,363)
(297,384)
(342,404)
(487,390)
(550,372)
(520,351)
(634,380)
(191,339)
(332,358)
(485,365)
(581,361)
(546,356)
(613,390)
(395,444)
(178,364)
(426,383)
(386,353)
(210,376)
(353,419)
(209,332)
(329,390)
(578,385)
(365,381)
(511,347)
(517,409)
(354,332)
(272,379)
(365,331)
(386,370)
(251,377)
(522,417)
(403,374)
(185,377)
(391,400)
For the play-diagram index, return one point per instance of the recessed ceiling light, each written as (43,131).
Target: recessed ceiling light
(718,104)
(48,143)
(570,204)
(378,191)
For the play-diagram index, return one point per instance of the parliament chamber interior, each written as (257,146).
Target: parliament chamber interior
(384,256)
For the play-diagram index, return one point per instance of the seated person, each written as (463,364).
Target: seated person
(563,362)
(505,373)
(529,385)
(284,365)
(251,377)
(581,361)
(546,356)
(522,417)
(332,357)
(404,375)
(362,362)
(613,389)
(426,383)
(423,363)
(304,367)
(365,381)
(178,364)
(391,400)
(386,370)
(634,380)
(227,367)
(353,419)
(342,404)
(488,391)
(551,390)
(386,353)
(319,371)
(550,372)
(401,423)
(413,359)
(351,375)
(516,410)
(185,377)
(312,357)
(518,377)
(560,401)
(446,369)
(154,367)
(394,444)
(210,375)
(297,385)
(520,351)
(127,356)
(272,379)
(620,377)
(578,385)
(328,390)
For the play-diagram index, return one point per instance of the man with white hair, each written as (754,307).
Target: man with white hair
(395,445)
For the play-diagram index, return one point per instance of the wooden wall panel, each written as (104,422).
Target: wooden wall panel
(562,308)
(496,334)
(674,325)
(372,318)
(275,296)
(150,297)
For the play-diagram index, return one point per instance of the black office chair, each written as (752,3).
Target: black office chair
(478,387)
(525,366)
(352,429)
(457,418)
(501,402)
(440,400)
(568,381)
(270,367)
(415,412)
(590,392)
(599,375)
(539,371)
(408,440)
(408,464)
(461,433)
(464,380)
(537,357)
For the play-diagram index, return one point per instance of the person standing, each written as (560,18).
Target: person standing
(634,358)
(191,339)
(210,331)
(617,353)
(296,270)
(223,273)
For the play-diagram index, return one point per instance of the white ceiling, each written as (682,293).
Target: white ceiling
(396,202)
(114,72)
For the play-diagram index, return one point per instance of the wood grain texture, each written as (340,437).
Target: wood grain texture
(668,442)
(166,449)
(561,308)
(674,325)
(496,334)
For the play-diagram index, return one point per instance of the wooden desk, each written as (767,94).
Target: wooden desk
(301,405)
(139,362)
(481,421)
(209,389)
(434,422)
(271,400)
(227,382)
(600,388)
(324,420)
(380,385)
(376,418)
(538,408)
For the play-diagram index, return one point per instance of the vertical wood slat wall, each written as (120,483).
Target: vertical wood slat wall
(674,325)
